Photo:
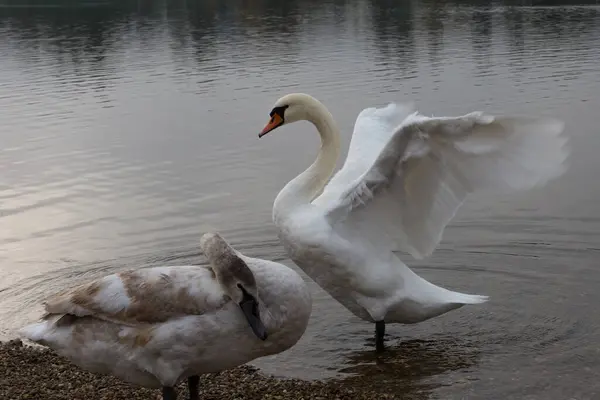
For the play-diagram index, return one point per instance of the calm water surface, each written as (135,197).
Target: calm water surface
(128,131)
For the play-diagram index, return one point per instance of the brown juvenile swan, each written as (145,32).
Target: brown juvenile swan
(154,327)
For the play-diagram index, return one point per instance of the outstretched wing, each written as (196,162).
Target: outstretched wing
(142,296)
(402,197)
(373,129)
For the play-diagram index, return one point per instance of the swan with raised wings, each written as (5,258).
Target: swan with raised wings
(154,327)
(404,178)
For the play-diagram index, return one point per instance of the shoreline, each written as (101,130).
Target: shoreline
(37,373)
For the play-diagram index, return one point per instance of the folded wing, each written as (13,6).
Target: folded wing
(144,296)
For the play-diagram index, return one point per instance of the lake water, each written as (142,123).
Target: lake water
(129,130)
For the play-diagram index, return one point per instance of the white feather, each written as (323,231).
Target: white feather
(404,179)
(154,327)
(407,195)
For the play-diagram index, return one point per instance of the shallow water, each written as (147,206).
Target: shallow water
(127,131)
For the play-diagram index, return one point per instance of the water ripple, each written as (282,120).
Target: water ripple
(128,132)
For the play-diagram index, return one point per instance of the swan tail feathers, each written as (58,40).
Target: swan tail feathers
(462,298)
(46,329)
(36,332)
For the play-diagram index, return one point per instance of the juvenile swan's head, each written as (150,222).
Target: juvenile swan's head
(291,108)
(236,278)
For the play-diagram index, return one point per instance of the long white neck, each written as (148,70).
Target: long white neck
(308,185)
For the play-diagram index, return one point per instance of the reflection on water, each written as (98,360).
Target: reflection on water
(408,367)
(130,128)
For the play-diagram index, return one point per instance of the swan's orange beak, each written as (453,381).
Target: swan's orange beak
(275,122)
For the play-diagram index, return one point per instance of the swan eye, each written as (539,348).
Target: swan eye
(278,111)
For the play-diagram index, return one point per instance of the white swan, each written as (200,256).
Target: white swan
(154,327)
(404,178)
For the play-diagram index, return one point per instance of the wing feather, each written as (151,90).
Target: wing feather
(142,296)
(373,129)
(402,197)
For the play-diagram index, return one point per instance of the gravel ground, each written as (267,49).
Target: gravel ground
(27,372)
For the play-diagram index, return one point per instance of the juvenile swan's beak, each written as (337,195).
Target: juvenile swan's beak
(275,122)
(249,306)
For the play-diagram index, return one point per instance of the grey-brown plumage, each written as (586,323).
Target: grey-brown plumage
(156,326)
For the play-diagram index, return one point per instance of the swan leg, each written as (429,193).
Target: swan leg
(193,383)
(379,334)
(169,393)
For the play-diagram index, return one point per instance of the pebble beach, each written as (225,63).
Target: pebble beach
(28,372)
